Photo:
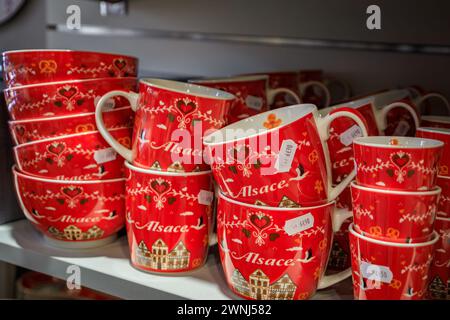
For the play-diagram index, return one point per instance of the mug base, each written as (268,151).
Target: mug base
(168,273)
(74,245)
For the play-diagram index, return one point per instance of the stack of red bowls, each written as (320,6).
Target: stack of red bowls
(169,186)
(438,287)
(69,182)
(276,213)
(394,201)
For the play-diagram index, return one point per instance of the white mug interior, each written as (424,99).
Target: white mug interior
(254,126)
(401,142)
(437,119)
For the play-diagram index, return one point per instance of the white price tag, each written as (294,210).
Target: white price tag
(286,156)
(351,133)
(299,224)
(105,155)
(253,102)
(402,128)
(205,197)
(376,272)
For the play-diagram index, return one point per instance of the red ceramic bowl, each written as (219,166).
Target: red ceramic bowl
(395,216)
(82,156)
(74,214)
(22,67)
(24,131)
(64,98)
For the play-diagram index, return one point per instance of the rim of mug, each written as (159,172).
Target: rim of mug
(238,78)
(355,104)
(444,131)
(367,142)
(397,94)
(303,108)
(183,87)
(69,50)
(17,172)
(248,205)
(70,116)
(440,119)
(26,144)
(436,190)
(165,173)
(433,240)
(67,82)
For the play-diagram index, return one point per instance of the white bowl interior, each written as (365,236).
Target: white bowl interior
(401,142)
(445,131)
(254,125)
(188,88)
(440,119)
(246,78)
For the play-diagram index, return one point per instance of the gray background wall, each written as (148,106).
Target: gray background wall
(420,22)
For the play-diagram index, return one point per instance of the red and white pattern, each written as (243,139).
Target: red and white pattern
(84,156)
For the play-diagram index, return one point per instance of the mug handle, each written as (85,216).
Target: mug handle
(419,101)
(380,115)
(272,93)
(323,127)
(338,217)
(342,83)
(303,86)
(132,97)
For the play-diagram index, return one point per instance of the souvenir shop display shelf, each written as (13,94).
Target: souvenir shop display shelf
(107,269)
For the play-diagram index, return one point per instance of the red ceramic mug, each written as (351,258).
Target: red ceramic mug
(312,88)
(283,79)
(278,158)
(444,200)
(81,156)
(171,119)
(342,133)
(72,214)
(23,131)
(395,216)
(64,98)
(383,270)
(422,99)
(168,218)
(436,121)
(272,253)
(253,94)
(441,134)
(23,67)
(397,163)
(438,286)
(377,109)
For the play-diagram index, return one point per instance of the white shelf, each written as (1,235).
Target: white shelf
(107,269)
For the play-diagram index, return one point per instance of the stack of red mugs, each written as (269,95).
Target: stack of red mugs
(438,286)
(169,186)
(394,201)
(69,182)
(276,212)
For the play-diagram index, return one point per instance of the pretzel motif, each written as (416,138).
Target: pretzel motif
(375,230)
(48,66)
(392,233)
(395,284)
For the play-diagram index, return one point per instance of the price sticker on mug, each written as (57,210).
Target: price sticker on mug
(351,133)
(286,156)
(205,197)
(105,155)
(253,102)
(299,224)
(375,272)
(402,128)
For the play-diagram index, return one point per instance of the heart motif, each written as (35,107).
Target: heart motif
(68,92)
(20,130)
(400,159)
(260,222)
(56,148)
(160,186)
(240,153)
(72,191)
(120,63)
(186,108)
